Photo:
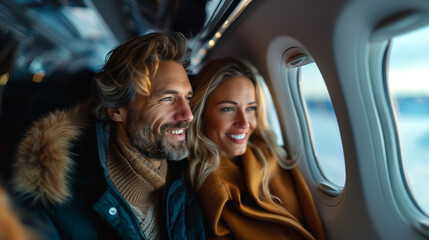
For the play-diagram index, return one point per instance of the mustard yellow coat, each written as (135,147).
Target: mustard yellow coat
(236,209)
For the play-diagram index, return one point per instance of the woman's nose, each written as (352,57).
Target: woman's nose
(241,120)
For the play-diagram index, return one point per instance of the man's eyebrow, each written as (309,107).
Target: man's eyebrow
(172,91)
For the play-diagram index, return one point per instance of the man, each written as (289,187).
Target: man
(107,179)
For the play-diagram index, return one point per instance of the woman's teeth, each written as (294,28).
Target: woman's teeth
(237,136)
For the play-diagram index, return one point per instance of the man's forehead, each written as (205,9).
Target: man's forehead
(171,76)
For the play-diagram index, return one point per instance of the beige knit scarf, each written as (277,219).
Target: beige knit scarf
(139,182)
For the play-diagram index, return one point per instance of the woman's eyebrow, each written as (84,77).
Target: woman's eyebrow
(227,102)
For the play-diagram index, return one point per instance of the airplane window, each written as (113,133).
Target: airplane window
(323,123)
(408,85)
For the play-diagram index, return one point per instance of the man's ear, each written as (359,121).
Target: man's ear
(117,114)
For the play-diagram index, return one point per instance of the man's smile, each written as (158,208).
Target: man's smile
(176,132)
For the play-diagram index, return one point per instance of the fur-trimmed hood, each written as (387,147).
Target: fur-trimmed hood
(44,161)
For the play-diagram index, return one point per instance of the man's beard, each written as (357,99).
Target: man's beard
(151,144)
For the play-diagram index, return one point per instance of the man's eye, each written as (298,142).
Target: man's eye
(166,99)
(226,109)
(188,98)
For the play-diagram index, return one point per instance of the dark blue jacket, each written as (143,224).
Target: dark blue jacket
(61,175)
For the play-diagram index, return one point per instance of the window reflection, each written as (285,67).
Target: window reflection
(408,84)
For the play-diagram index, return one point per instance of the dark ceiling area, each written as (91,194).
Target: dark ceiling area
(47,36)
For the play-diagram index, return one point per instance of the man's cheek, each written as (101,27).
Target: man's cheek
(158,122)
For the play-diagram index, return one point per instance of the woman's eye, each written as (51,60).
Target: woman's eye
(226,109)
(252,108)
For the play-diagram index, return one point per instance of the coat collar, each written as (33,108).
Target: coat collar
(44,159)
(231,183)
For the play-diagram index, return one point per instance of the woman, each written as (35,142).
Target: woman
(235,162)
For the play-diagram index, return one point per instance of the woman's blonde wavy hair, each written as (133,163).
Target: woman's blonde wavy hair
(204,155)
(130,67)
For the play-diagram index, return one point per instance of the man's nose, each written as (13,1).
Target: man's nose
(183,111)
(241,120)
